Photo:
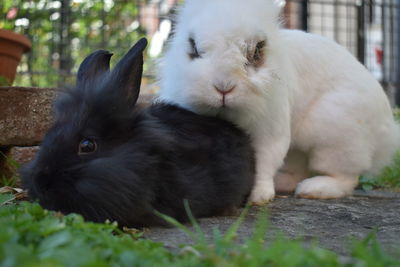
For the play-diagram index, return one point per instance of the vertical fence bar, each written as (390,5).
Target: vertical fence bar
(336,19)
(30,56)
(392,63)
(361,31)
(64,45)
(397,96)
(371,11)
(103,44)
(384,44)
(304,15)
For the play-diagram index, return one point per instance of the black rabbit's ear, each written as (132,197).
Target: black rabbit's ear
(127,74)
(95,64)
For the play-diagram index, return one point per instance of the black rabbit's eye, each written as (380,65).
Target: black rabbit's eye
(194,52)
(87,146)
(257,57)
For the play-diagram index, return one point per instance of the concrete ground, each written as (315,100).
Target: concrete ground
(331,223)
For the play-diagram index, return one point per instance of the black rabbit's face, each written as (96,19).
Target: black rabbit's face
(59,160)
(71,168)
(82,134)
(82,159)
(96,175)
(83,156)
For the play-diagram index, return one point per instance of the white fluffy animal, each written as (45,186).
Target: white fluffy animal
(298,95)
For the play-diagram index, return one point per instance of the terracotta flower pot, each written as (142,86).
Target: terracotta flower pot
(12,46)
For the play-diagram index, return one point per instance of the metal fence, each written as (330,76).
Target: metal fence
(63,32)
(369,29)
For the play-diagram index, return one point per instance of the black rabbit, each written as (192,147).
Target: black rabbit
(106,158)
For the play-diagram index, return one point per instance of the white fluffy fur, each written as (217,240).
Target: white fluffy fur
(310,98)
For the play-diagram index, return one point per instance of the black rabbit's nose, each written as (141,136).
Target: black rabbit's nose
(224,88)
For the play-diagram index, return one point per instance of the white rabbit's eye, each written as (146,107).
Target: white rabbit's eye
(87,146)
(257,57)
(194,52)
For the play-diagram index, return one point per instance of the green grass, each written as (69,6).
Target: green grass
(390,176)
(396,113)
(31,236)
(388,179)
(4,81)
(12,166)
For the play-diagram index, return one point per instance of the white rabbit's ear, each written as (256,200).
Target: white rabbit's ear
(127,74)
(94,65)
(279,11)
(280,3)
(275,9)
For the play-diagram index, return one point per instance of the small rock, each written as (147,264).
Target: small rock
(23,154)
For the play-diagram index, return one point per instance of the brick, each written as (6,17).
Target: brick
(25,115)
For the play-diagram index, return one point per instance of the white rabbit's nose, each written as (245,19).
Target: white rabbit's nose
(224,88)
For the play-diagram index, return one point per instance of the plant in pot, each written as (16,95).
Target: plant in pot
(12,46)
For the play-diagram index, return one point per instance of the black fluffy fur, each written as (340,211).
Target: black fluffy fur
(146,159)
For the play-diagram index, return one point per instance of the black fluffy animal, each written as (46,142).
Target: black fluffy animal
(107,158)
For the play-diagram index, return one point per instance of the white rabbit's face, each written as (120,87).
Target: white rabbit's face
(227,72)
(215,64)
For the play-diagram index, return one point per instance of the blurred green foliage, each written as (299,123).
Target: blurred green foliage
(63,32)
(388,179)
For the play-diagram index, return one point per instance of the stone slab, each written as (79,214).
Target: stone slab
(25,114)
(331,223)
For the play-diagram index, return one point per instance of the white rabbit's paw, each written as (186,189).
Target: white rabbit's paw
(323,187)
(262,195)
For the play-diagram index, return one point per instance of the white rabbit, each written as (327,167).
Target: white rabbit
(291,91)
